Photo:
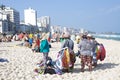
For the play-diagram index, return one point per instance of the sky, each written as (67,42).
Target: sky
(93,15)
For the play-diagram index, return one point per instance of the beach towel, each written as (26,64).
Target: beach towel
(3,60)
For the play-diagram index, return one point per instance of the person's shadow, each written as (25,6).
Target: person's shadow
(105,66)
(3,60)
(98,67)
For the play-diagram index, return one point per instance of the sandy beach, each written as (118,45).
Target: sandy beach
(19,63)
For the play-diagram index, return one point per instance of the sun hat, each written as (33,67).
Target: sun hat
(89,35)
(66,35)
(45,36)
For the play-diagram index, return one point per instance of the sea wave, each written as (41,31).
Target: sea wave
(108,36)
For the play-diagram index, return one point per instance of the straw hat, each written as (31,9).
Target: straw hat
(45,36)
(66,35)
(89,35)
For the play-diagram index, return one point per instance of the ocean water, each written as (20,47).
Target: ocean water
(108,36)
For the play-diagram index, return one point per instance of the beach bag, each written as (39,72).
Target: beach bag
(101,52)
(66,59)
(63,59)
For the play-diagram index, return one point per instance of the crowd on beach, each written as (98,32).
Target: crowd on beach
(41,42)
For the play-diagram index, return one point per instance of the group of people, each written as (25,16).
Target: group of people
(4,38)
(87,49)
(41,43)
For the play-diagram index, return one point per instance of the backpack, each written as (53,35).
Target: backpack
(101,52)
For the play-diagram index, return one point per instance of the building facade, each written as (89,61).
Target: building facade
(30,17)
(43,23)
(10,19)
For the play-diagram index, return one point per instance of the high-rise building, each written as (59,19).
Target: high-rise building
(11,17)
(3,23)
(44,22)
(30,17)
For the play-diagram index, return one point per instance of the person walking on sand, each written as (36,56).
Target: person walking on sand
(85,48)
(44,48)
(70,44)
(67,41)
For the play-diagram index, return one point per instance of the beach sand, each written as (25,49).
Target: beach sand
(18,63)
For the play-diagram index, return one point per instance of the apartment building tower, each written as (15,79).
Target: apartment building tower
(30,17)
(10,17)
(44,22)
